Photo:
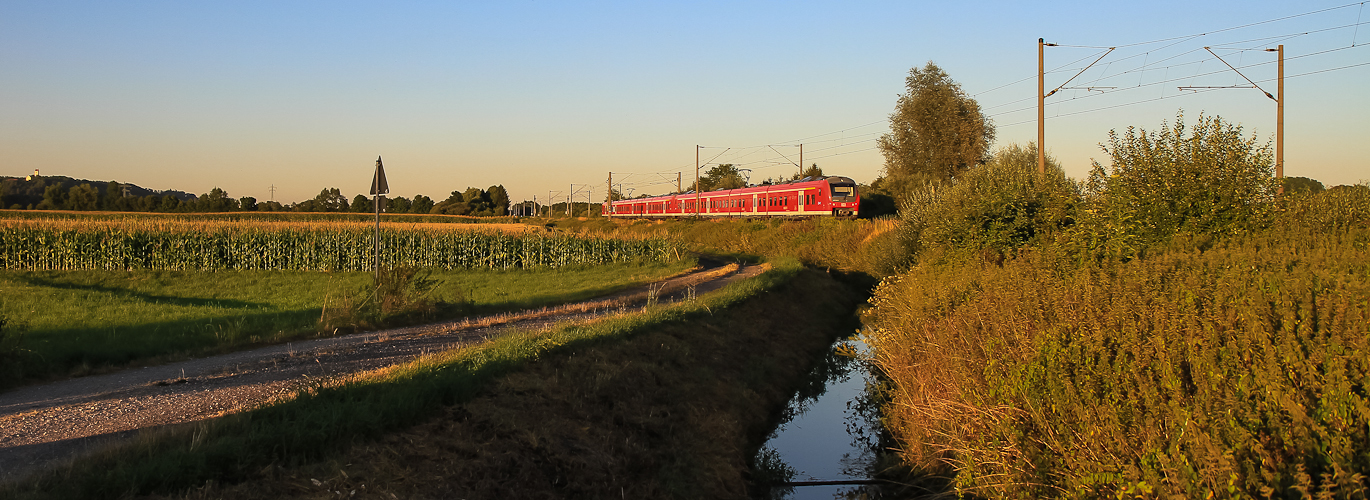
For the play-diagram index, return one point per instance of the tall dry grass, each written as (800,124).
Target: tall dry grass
(1235,367)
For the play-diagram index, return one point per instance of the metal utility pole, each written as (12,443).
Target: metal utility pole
(1042,96)
(570,195)
(273,192)
(697,147)
(801,160)
(379,187)
(609,195)
(678,190)
(1279,123)
(1041,109)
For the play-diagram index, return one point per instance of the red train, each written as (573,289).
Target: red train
(807,197)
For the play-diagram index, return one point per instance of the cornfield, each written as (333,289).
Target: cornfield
(221,245)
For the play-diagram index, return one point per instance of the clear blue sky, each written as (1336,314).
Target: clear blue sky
(537,95)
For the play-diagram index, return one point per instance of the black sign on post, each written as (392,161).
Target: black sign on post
(378,184)
(378,187)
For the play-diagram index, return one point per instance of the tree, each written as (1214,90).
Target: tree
(399,205)
(54,198)
(723,176)
(216,200)
(169,204)
(247,203)
(330,200)
(83,197)
(477,201)
(499,200)
(363,204)
(113,193)
(455,204)
(813,171)
(421,205)
(936,133)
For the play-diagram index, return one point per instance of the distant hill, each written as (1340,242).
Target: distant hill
(17,191)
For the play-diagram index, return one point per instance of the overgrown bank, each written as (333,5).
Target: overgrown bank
(1171,329)
(658,404)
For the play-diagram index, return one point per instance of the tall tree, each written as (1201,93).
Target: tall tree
(216,200)
(362,204)
(113,193)
(421,205)
(54,198)
(936,133)
(812,171)
(331,200)
(723,176)
(83,197)
(499,199)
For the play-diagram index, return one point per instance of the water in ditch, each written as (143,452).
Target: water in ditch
(830,432)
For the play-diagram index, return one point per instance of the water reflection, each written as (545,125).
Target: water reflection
(829,432)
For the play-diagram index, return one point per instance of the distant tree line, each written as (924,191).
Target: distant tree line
(63,193)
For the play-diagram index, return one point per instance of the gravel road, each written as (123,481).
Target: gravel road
(45,425)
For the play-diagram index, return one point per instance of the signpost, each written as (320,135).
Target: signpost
(379,187)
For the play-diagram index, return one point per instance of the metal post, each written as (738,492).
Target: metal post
(1041,110)
(801,160)
(697,211)
(376,253)
(1279,125)
(677,181)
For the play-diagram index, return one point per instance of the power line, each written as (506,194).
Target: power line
(1268,21)
(1187,94)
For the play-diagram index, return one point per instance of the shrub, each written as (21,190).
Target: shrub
(1000,206)
(1211,181)
(1234,368)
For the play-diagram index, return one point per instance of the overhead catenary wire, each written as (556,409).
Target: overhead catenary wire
(1154,60)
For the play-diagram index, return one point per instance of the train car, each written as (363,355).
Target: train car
(807,197)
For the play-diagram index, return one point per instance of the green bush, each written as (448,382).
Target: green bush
(1000,206)
(1211,182)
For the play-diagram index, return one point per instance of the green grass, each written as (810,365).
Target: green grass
(661,403)
(79,321)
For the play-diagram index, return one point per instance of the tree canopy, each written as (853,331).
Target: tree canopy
(722,176)
(936,133)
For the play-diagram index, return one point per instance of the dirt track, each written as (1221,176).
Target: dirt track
(46,424)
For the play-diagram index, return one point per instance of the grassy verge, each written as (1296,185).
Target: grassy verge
(83,321)
(668,402)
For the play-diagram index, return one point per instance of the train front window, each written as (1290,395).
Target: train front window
(843,193)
